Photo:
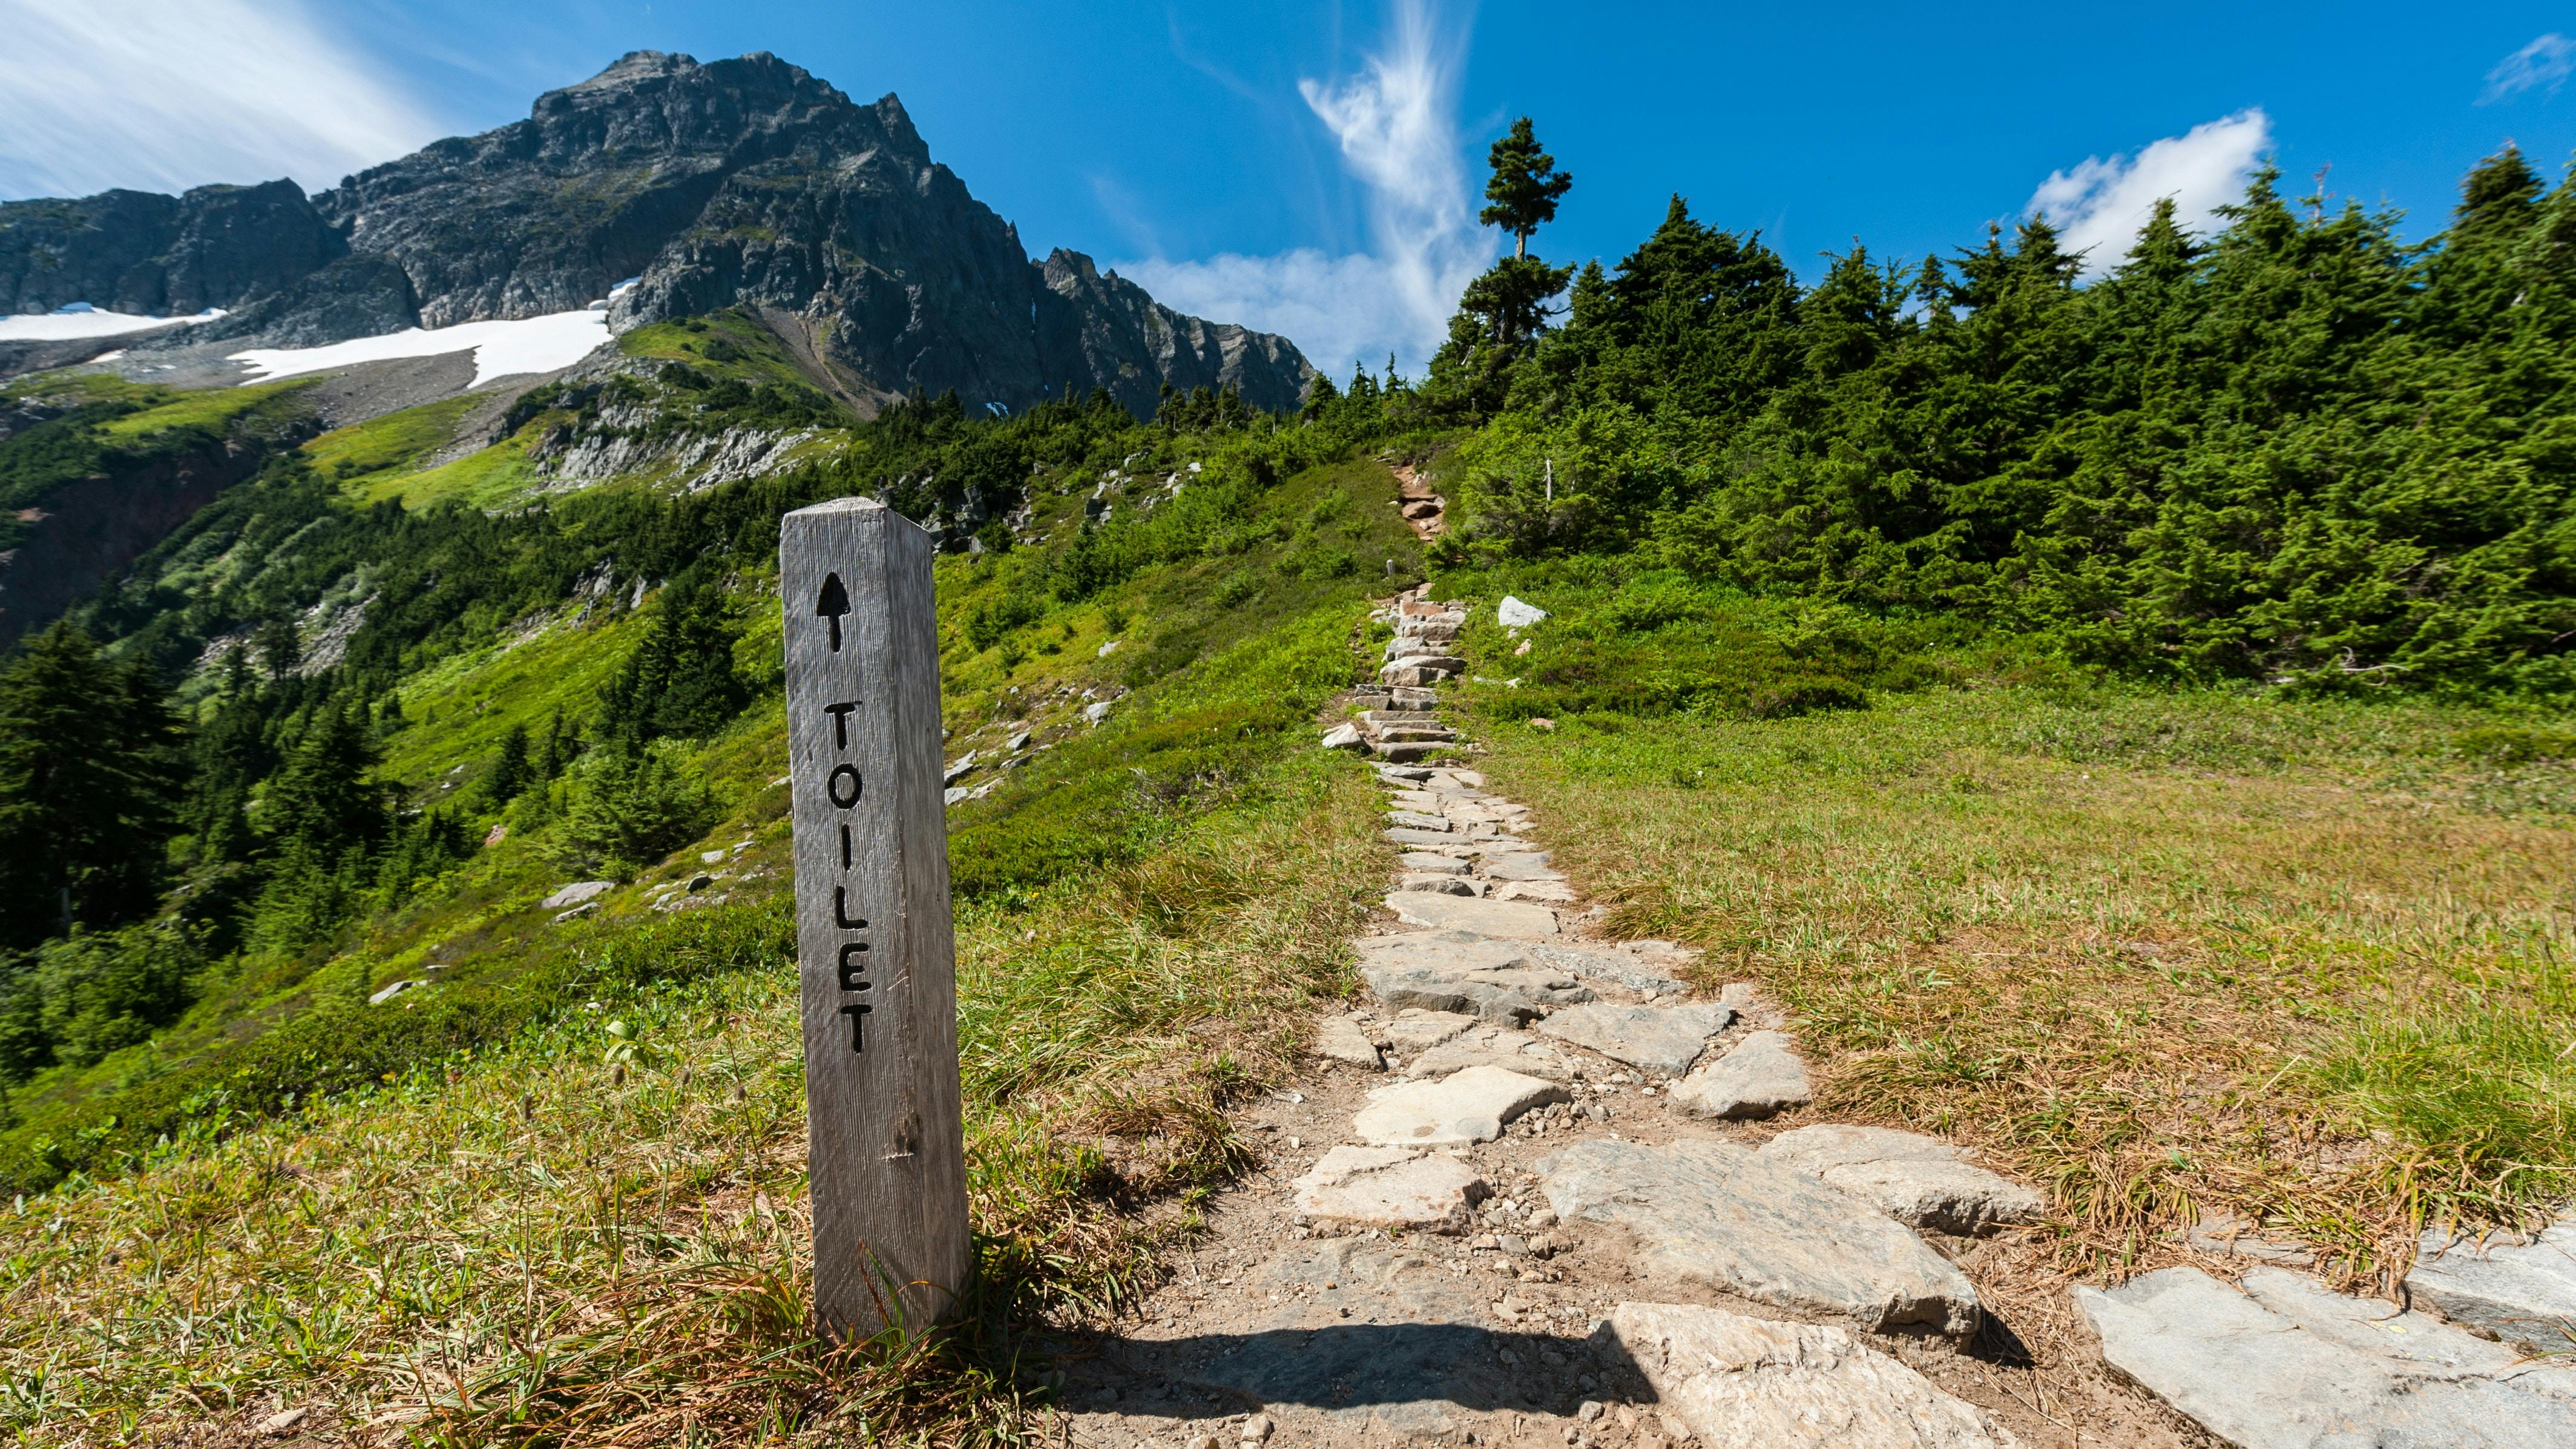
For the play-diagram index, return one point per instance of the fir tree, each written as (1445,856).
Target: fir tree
(91,774)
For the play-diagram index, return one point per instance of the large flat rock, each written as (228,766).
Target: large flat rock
(1714,1213)
(1750,1383)
(1469,1106)
(2525,1291)
(2282,1363)
(1406,835)
(1517,1050)
(1914,1179)
(1759,1076)
(1392,1187)
(1664,1040)
(1512,920)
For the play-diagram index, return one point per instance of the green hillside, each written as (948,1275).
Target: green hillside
(2124,723)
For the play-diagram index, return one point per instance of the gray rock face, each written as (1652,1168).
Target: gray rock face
(2525,1292)
(134,251)
(576,893)
(1664,1040)
(1471,1106)
(1447,885)
(1714,1213)
(1749,1383)
(1915,1179)
(1416,820)
(1511,919)
(2284,1364)
(1423,861)
(1760,1076)
(1392,1187)
(744,181)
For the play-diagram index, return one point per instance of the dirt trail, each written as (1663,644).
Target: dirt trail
(1526,1126)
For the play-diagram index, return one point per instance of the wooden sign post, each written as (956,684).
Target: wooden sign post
(874,941)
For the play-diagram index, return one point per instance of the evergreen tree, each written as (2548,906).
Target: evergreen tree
(681,680)
(91,775)
(1525,187)
(512,771)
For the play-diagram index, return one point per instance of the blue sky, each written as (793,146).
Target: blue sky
(1312,168)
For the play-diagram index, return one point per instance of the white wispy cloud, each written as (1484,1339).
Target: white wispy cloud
(2545,63)
(1397,126)
(161,95)
(2099,205)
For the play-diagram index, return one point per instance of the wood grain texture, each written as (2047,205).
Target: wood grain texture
(883,1121)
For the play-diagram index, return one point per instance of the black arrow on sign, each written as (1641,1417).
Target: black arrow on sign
(834,602)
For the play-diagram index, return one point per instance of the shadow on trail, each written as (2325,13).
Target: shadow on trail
(1407,1374)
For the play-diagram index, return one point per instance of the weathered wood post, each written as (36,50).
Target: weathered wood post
(874,941)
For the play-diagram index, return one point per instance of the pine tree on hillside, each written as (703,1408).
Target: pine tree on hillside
(91,775)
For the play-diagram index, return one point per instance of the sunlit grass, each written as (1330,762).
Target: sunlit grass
(2165,954)
(596,1231)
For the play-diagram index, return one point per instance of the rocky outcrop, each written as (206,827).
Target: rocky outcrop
(744,181)
(91,530)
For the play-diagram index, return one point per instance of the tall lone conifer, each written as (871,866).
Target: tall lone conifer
(1525,187)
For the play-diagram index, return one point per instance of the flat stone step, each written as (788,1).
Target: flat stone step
(1710,1212)
(2282,1363)
(1405,750)
(1392,1187)
(1440,884)
(1664,1040)
(1759,1076)
(1520,865)
(1508,919)
(1416,734)
(2523,1291)
(1340,1039)
(1407,835)
(1416,820)
(1458,971)
(1918,1180)
(1750,1383)
(1420,861)
(1516,1051)
(1466,1107)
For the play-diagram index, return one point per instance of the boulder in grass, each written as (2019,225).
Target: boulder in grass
(576,893)
(1344,737)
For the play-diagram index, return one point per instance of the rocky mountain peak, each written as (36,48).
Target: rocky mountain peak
(747,181)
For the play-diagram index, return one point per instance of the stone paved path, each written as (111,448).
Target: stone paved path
(1531,1196)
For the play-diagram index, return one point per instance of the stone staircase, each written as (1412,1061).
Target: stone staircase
(1529,1200)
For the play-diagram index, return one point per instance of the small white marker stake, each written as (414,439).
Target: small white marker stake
(875,946)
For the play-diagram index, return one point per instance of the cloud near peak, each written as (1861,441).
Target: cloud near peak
(163,95)
(1396,124)
(2099,205)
